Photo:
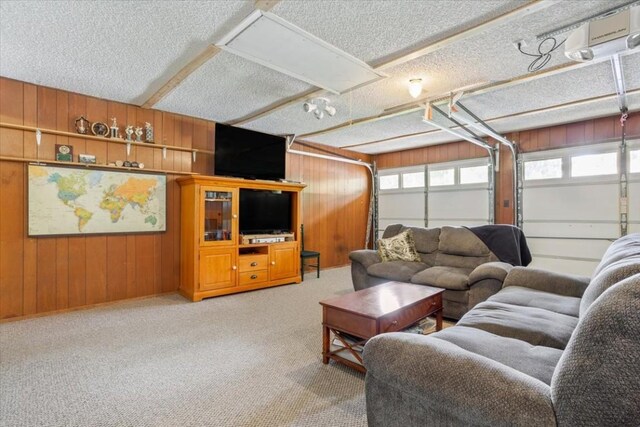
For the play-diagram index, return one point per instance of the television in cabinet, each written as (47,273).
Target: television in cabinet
(216,259)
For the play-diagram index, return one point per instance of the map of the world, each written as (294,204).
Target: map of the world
(89,201)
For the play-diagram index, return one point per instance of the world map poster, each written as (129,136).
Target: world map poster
(88,201)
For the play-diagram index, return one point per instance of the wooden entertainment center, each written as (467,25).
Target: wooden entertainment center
(215,258)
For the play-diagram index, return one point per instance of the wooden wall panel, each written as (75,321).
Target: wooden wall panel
(335,203)
(570,134)
(40,275)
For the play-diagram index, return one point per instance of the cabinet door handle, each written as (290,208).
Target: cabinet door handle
(234,268)
(235,215)
(253,276)
(253,264)
(273,263)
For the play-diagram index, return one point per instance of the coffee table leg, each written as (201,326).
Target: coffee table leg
(325,345)
(439,320)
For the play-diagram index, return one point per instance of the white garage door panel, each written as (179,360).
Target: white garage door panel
(567,229)
(634,201)
(471,205)
(582,268)
(402,206)
(588,249)
(459,222)
(575,202)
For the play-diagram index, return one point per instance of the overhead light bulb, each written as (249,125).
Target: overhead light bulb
(309,107)
(415,87)
(331,110)
(319,114)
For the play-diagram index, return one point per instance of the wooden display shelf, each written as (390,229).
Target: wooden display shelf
(92,166)
(101,138)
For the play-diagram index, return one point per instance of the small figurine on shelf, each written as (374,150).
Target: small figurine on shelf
(82,125)
(149,132)
(114,128)
(129,131)
(139,134)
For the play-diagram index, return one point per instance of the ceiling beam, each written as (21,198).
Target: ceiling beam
(180,76)
(507,116)
(529,8)
(209,52)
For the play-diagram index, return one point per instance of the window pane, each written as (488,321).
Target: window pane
(634,166)
(594,164)
(474,175)
(543,169)
(413,180)
(389,182)
(441,177)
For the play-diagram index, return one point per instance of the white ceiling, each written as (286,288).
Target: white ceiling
(126,51)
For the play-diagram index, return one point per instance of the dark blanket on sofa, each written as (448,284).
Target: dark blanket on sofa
(505,241)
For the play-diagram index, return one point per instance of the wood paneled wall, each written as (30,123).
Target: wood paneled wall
(39,275)
(335,203)
(566,135)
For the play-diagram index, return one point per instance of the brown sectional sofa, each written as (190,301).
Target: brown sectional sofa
(453,258)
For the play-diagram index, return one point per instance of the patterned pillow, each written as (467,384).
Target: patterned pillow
(400,247)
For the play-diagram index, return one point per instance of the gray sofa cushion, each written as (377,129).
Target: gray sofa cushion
(533,325)
(608,276)
(517,295)
(426,239)
(461,241)
(537,361)
(625,247)
(596,382)
(444,277)
(396,270)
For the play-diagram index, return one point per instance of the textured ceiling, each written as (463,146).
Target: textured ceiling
(489,56)
(126,51)
(114,50)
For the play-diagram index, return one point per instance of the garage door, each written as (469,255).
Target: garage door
(633,159)
(570,206)
(455,193)
(401,197)
(458,193)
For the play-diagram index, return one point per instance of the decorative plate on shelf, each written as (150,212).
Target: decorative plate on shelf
(100,129)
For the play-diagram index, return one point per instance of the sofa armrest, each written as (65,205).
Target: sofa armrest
(417,380)
(490,270)
(366,257)
(547,281)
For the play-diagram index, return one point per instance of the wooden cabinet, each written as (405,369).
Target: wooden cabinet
(284,261)
(214,260)
(217,269)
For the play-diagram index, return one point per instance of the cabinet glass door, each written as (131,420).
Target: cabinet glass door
(218,215)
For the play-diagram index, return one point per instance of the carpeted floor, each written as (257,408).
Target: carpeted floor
(250,359)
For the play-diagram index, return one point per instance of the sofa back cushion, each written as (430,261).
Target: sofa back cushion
(596,379)
(621,260)
(426,239)
(460,248)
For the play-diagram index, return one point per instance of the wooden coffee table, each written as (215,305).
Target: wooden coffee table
(388,307)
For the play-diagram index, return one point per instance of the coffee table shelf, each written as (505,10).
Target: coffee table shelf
(388,307)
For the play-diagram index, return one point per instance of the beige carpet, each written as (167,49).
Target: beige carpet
(251,359)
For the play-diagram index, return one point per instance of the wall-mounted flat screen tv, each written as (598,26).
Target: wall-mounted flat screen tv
(264,211)
(249,154)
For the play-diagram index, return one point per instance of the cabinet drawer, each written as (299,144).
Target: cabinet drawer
(249,277)
(407,316)
(253,262)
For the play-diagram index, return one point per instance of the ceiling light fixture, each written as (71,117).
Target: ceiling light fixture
(319,106)
(415,87)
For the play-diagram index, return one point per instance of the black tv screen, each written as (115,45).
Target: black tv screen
(264,211)
(248,154)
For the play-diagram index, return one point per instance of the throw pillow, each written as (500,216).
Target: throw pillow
(400,247)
